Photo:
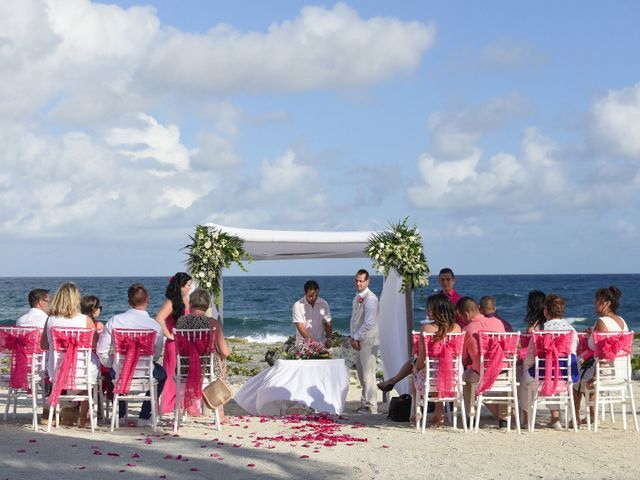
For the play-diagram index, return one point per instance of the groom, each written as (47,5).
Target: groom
(364,340)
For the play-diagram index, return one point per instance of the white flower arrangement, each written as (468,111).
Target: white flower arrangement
(400,248)
(209,252)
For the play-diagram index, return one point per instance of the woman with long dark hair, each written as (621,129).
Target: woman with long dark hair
(535,310)
(175,306)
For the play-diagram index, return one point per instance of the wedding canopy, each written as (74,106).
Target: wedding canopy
(287,245)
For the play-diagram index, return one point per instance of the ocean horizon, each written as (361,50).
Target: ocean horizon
(258,308)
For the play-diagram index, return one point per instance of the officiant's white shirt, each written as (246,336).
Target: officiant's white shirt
(313,317)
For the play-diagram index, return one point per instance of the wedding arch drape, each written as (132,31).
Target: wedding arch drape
(287,245)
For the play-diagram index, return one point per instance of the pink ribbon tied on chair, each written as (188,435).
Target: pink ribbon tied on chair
(553,347)
(416,343)
(66,378)
(21,346)
(193,386)
(132,347)
(608,347)
(524,346)
(497,348)
(583,347)
(444,350)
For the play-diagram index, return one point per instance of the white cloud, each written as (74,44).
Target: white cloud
(516,186)
(150,140)
(321,48)
(616,120)
(455,133)
(510,54)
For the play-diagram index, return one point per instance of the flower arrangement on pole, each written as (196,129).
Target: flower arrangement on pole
(209,252)
(400,248)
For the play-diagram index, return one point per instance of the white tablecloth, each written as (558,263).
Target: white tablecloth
(318,384)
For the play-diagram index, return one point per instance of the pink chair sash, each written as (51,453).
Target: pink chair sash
(583,346)
(525,338)
(22,345)
(552,347)
(416,343)
(494,349)
(444,350)
(68,342)
(132,347)
(608,347)
(193,386)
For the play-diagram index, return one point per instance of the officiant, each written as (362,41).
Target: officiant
(312,316)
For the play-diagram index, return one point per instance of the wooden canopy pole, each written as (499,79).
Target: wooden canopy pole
(408,301)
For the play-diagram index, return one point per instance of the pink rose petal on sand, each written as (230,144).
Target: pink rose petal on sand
(304,456)
(135,455)
(113,454)
(386,446)
(33,440)
(194,469)
(81,468)
(162,476)
(251,465)
(22,450)
(168,457)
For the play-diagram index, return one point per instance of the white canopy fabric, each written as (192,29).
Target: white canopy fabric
(287,245)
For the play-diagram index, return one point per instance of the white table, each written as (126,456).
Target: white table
(319,384)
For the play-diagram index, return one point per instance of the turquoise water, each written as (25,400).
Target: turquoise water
(260,307)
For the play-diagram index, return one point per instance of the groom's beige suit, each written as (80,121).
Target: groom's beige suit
(364,328)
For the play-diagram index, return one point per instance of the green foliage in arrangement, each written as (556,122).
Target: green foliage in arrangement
(243,370)
(635,362)
(238,357)
(209,252)
(400,248)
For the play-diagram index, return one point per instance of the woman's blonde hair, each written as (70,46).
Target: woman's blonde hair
(66,301)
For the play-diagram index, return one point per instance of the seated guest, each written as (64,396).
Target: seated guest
(440,310)
(199,302)
(475,323)
(606,305)
(535,310)
(138,318)
(312,316)
(554,313)
(488,309)
(90,306)
(64,311)
(37,315)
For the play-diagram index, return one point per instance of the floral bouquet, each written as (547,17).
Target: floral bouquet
(307,350)
(400,248)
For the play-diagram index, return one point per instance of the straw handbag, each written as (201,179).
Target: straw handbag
(218,392)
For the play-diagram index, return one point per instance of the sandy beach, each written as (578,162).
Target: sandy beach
(351,446)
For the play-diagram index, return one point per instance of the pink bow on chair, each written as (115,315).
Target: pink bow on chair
(583,347)
(444,350)
(66,378)
(193,386)
(21,348)
(553,348)
(132,347)
(608,347)
(497,347)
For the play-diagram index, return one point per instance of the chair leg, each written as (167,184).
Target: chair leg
(572,407)
(624,410)
(6,407)
(516,403)
(217,417)
(633,407)
(34,406)
(176,409)
(532,416)
(596,408)
(51,409)
(114,412)
(91,408)
(154,406)
(476,417)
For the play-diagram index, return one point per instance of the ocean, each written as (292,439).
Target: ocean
(259,308)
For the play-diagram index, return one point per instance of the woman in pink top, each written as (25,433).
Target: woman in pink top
(175,306)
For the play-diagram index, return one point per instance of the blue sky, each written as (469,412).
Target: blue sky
(508,132)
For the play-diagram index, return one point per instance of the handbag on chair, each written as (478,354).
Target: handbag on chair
(218,392)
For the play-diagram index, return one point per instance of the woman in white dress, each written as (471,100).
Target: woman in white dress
(606,305)
(64,311)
